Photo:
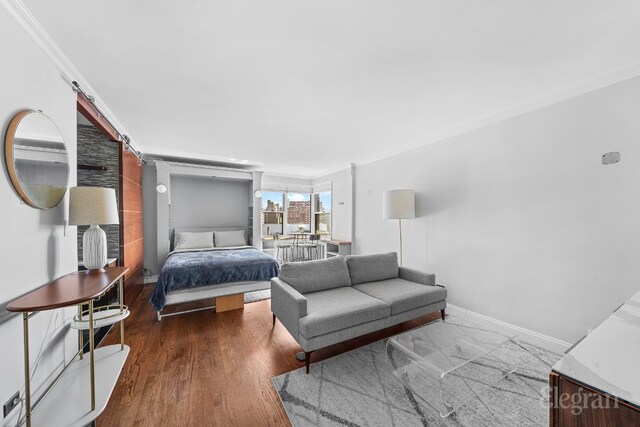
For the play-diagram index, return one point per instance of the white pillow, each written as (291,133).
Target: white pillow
(194,240)
(225,239)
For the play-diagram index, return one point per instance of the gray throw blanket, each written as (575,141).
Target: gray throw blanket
(192,269)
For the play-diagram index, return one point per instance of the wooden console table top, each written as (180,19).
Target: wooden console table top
(68,290)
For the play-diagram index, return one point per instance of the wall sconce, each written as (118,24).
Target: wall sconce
(257,193)
(161,188)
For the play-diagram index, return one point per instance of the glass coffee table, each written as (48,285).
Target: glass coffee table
(448,363)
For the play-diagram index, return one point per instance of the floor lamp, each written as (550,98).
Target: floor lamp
(399,204)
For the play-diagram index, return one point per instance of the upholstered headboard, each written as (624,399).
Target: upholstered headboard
(172,233)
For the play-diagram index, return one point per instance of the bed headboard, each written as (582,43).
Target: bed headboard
(172,232)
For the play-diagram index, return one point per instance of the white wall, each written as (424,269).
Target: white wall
(206,202)
(34,249)
(162,213)
(519,219)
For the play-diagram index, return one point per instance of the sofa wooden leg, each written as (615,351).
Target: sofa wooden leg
(307,359)
(442,314)
(274,321)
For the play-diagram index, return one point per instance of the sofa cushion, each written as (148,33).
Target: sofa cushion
(314,276)
(339,308)
(403,295)
(371,268)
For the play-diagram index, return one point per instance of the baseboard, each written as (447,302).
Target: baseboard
(526,335)
(150,279)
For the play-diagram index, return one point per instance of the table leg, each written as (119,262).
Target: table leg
(121,284)
(27,374)
(91,359)
(80,333)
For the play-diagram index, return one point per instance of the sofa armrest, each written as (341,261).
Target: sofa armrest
(288,305)
(417,276)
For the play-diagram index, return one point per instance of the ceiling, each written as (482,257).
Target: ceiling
(301,87)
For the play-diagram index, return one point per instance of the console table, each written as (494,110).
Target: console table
(90,381)
(597,382)
(336,247)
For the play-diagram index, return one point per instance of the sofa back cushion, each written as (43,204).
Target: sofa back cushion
(372,268)
(314,276)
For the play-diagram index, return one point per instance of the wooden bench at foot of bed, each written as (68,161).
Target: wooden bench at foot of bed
(229,302)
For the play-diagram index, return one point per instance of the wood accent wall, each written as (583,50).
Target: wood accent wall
(131,237)
(130,203)
(89,111)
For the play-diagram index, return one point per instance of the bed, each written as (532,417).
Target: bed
(197,273)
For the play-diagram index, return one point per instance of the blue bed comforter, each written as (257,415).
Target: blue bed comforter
(187,270)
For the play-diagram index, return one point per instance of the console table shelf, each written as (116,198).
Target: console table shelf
(101,318)
(61,402)
(64,403)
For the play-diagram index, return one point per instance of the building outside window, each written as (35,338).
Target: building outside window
(298,212)
(272,215)
(322,213)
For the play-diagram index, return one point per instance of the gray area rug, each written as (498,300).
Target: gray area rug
(358,389)
(257,296)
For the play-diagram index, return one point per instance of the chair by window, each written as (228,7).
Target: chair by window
(311,249)
(299,243)
(283,248)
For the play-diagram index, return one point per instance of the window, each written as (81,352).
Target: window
(298,212)
(322,213)
(284,212)
(272,215)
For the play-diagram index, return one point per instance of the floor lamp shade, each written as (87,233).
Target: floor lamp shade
(399,204)
(93,206)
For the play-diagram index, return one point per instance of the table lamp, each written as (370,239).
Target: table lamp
(93,206)
(399,204)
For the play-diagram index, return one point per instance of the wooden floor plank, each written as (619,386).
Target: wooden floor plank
(210,369)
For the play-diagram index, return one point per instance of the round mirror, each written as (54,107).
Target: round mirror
(37,159)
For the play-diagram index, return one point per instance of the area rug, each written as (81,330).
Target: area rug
(358,389)
(256,296)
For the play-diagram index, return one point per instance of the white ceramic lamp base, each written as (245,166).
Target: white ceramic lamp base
(94,245)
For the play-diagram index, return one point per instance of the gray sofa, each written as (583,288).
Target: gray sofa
(329,301)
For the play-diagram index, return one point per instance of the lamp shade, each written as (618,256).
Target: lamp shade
(92,206)
(398,204)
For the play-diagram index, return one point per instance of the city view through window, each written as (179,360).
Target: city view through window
(272,216)
(300,209)
(298,212)
(322,212)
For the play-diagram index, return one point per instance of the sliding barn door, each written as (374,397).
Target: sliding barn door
(131,240)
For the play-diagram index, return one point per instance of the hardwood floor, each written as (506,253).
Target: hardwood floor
(210,369)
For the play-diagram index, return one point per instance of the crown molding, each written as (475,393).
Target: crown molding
(268,174)
(334,170)
(43,40)
(591,86)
